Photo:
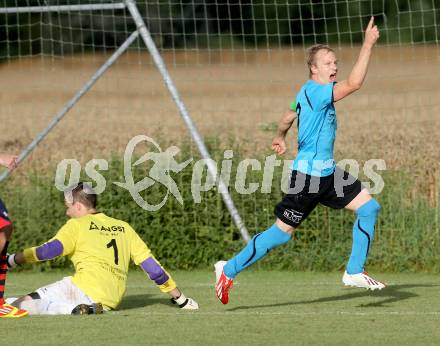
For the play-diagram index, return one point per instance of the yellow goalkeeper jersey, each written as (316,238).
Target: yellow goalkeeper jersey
(100,248)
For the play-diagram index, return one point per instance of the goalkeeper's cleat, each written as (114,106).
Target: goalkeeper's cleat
(362,280)
(9,311)
(223,283)
(85,309)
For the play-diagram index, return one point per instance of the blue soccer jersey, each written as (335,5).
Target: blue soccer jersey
(316,129)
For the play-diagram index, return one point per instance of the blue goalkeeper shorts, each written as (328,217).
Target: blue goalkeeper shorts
(4,216)
(335,191)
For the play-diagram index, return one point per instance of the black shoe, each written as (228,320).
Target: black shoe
(84,309)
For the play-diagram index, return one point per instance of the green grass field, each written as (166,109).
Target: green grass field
(266,307)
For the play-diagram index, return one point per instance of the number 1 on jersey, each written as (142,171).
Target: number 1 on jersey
(115,249)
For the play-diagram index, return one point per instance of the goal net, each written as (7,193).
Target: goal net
(236,66)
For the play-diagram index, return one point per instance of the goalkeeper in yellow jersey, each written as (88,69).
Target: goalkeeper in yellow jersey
(100,248)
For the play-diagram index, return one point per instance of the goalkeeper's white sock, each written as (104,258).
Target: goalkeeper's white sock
(10,300)
(34,306)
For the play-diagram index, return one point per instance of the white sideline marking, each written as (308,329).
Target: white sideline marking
(336,284)
(287,313)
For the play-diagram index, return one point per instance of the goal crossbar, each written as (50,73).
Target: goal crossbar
(62,8)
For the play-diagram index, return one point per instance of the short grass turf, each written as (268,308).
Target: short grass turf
(266,308)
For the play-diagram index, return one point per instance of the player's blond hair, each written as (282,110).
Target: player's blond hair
(311,54)
(82,193)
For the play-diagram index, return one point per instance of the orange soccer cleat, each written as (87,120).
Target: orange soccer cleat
(9,311)
(223,283)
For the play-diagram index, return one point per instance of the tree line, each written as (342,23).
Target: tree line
(216,23)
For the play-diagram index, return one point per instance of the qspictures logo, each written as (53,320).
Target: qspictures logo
(160,166)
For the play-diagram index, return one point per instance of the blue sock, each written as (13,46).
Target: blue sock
(363,233)
(258,247)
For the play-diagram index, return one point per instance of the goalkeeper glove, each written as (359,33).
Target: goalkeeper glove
(10,258)
(185,303)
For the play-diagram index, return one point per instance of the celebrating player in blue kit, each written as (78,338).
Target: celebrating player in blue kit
(6,310)
(100,248)
(315,177)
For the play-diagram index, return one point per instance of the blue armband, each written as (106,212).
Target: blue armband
(154,271)
(49,250)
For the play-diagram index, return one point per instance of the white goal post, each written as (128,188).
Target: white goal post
(144,33)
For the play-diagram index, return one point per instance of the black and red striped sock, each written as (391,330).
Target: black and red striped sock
(3,271)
